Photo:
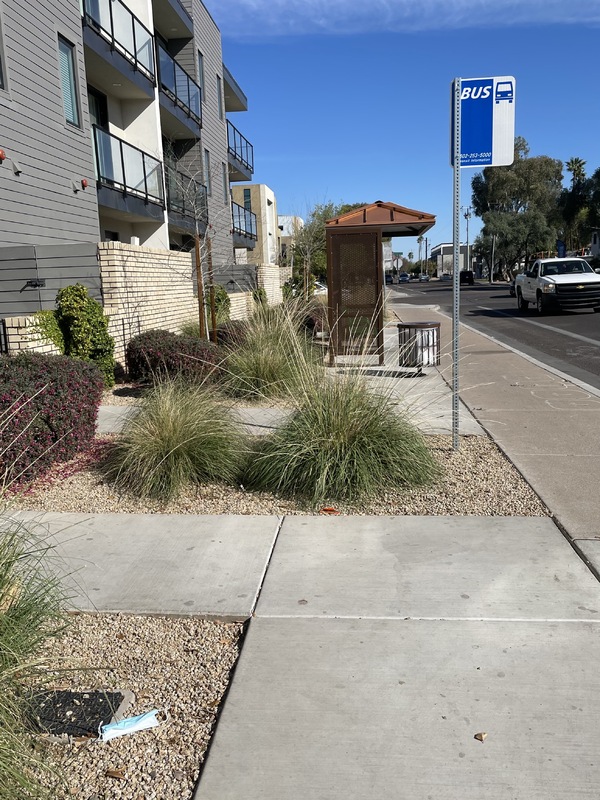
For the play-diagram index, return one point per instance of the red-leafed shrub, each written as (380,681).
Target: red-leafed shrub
(232,333)
(48,409)
(154,355)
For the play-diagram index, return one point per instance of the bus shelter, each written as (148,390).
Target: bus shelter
(355,280)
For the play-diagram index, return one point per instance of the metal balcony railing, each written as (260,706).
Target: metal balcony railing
(179,86)
(112,20)
(122,166)
(186,196)
(244,221)
(240,147)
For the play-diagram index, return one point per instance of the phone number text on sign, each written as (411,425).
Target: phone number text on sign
(475,158)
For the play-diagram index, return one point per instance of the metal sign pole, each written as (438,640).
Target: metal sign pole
(456,262)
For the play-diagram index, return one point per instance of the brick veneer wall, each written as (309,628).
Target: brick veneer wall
(269,278)
(145,288)
(22,333)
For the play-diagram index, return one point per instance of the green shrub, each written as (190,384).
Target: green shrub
(48,409)
(47,326)
(180,435)
(30,612)
(85,330)
(259,295)
(155,355)
(222,303)
(265,363)
(343,443)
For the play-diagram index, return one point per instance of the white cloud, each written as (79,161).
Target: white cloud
(246,19)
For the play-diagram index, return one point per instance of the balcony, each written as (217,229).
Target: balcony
(244,227)
(129,179)
(187,201)
(235,99)
(180,98)
(120,41)
(172,20)
(241,155)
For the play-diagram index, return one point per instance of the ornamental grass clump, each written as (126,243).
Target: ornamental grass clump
(265,362)
(343,443)
(31,599)
(181,434)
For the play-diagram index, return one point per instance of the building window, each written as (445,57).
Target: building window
(2,69)
(68,81)
(225,183)
(220,96)
(207,181)
(247,203)
(201,76)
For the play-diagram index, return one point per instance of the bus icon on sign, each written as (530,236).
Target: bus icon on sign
(504,91)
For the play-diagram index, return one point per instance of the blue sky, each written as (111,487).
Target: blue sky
(349,100)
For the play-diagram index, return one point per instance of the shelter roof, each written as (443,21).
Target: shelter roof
(392,219)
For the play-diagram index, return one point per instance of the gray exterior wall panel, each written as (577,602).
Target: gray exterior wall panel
(39,205)
(58,266)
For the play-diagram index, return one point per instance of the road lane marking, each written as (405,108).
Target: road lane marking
(546,327)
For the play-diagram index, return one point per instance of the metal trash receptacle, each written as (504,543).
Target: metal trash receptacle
(419,344)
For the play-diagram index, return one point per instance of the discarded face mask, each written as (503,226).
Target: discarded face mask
(131,725)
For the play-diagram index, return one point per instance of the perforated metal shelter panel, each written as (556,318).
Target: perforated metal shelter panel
(355,286)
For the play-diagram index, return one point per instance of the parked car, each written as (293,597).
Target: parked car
(423,277)
(388,277)
(320,288)
(467,276)
(445,276)
(404,277)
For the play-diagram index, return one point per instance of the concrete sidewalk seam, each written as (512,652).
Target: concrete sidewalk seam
(535,620)
(266,567)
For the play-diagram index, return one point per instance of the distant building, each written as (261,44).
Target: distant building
(443,257)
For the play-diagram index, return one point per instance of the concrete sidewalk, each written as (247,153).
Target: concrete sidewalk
(379,646)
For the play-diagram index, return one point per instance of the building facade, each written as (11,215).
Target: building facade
(115,126)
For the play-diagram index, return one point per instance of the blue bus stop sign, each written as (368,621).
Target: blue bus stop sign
(487,121)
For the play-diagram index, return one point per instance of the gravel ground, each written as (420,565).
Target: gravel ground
(184,664)
(479,480)
(181,665)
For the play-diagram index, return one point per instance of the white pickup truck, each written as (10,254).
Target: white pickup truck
(558,283)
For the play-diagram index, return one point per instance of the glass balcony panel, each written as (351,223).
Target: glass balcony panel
(154,177)
(123,28)
(195,100)
(143,46)
(134,169)
(99,12)
(239,146)
(167,76)
(182,82)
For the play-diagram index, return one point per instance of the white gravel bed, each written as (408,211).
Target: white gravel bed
(479,480)
(181,665)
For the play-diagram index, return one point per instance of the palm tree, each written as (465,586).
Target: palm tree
(576,166)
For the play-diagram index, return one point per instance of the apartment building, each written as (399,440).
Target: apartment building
(115,127)
(260,200)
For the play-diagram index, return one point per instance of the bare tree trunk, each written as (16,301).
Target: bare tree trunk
(211,289)
(200,282)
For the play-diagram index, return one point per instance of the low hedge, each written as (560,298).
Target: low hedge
(156,354)
(48,409)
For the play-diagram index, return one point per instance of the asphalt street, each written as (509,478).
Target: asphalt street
(566,341)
